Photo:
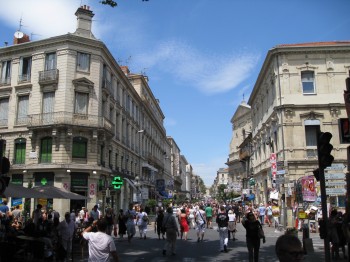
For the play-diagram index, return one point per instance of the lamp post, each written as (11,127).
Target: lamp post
(138,185)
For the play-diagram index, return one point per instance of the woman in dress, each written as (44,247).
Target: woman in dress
(252,226)
(121,223)
(231,225)
(183,224)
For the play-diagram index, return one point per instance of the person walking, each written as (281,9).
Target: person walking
(269,214)
(172,231)
(66,230)
(183,224)
(111,221)
(231,225)
(222,221)
(95,213)
(142,222)
(130,223)
(159,222)
(200,221)
(262,211)
(252,226)
(121,223)
(209,215)
(101,245)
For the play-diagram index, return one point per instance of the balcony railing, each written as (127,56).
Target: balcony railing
(48,76)
(108,85)
(4,122)
(69,118)
(25,78)
(5,81)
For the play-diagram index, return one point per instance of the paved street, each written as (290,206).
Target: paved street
(208,250)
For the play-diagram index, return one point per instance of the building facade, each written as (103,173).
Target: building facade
(299,91)
(73,118)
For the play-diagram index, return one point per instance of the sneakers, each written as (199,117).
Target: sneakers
(164,252)
(225,248)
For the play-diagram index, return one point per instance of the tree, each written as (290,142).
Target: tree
(202,187)
(113,3)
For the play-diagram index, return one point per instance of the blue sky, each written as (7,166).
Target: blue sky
(201,56)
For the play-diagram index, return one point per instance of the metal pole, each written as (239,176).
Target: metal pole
(324,214)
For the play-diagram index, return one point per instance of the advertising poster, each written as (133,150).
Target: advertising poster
(308,189)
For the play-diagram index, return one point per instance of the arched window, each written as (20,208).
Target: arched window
(79,147)
(46,150)
(20,151)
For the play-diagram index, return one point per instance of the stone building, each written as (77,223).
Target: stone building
(299,91)
(73,118)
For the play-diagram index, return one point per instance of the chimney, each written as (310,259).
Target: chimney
(125,69)
(23,39)
(84,21)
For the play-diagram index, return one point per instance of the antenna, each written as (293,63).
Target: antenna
(18,34)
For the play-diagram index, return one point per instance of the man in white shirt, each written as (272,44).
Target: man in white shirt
(101,245)
(66,229)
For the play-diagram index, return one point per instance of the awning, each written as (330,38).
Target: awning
(19,191)
(55,192)
(164,194)
(130,182)
(149,167)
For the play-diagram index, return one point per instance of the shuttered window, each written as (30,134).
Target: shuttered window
(46,150)
(81,103)
(22,110)
(79,147)
(20,151)
(4,111)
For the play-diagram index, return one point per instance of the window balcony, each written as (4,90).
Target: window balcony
(5,81)
(25,78)
(69,118)
(48,77)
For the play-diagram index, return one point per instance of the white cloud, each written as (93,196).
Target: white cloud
(169,122)
(209,73)
(43,18)
(207,171)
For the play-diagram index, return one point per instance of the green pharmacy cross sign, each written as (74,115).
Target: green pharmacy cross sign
(117,182)
(43,181)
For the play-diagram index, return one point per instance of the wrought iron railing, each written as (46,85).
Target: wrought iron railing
(69,118)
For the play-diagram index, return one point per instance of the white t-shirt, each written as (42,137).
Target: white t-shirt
(232,217)
(100,246)
(200,216)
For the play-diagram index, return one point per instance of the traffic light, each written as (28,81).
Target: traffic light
(324,149)
(316,173)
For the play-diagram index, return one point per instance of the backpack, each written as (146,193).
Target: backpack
(145,218)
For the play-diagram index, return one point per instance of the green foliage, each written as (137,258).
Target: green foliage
(109,2)
(151,203)
(166,202)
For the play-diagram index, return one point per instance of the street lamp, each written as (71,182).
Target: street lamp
(138,185)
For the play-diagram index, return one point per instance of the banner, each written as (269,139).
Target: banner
(308,189)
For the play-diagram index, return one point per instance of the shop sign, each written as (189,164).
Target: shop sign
(92,190)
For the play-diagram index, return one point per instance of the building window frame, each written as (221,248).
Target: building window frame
(308,82)
(46,150)
(83,62)
(20,151)
(79,148)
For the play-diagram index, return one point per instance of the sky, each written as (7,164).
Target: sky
(202,57)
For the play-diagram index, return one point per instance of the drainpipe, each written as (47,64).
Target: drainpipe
(283,203)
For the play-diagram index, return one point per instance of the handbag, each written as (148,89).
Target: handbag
(261,233)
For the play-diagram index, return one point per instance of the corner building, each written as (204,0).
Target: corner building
(299,90)
(71,118)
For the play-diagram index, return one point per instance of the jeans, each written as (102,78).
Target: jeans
(253,245)
(223,237)
(262,219)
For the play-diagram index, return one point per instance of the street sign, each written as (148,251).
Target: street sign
(280,180)
(335,167)
(335,176)
(281,172)
(335,183)
(335,191)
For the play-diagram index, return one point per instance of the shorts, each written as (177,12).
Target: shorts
(130,229)
(201,228)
